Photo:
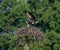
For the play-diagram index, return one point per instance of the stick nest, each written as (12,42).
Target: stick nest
(31,31)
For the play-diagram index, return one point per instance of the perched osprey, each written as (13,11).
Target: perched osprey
(32,19)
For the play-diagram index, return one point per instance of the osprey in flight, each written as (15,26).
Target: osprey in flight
(32,19)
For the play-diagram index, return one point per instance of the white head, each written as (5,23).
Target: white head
(28,15)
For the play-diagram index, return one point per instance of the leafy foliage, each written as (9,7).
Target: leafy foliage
(12,17)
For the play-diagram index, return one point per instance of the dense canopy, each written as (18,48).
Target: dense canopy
(47,13)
